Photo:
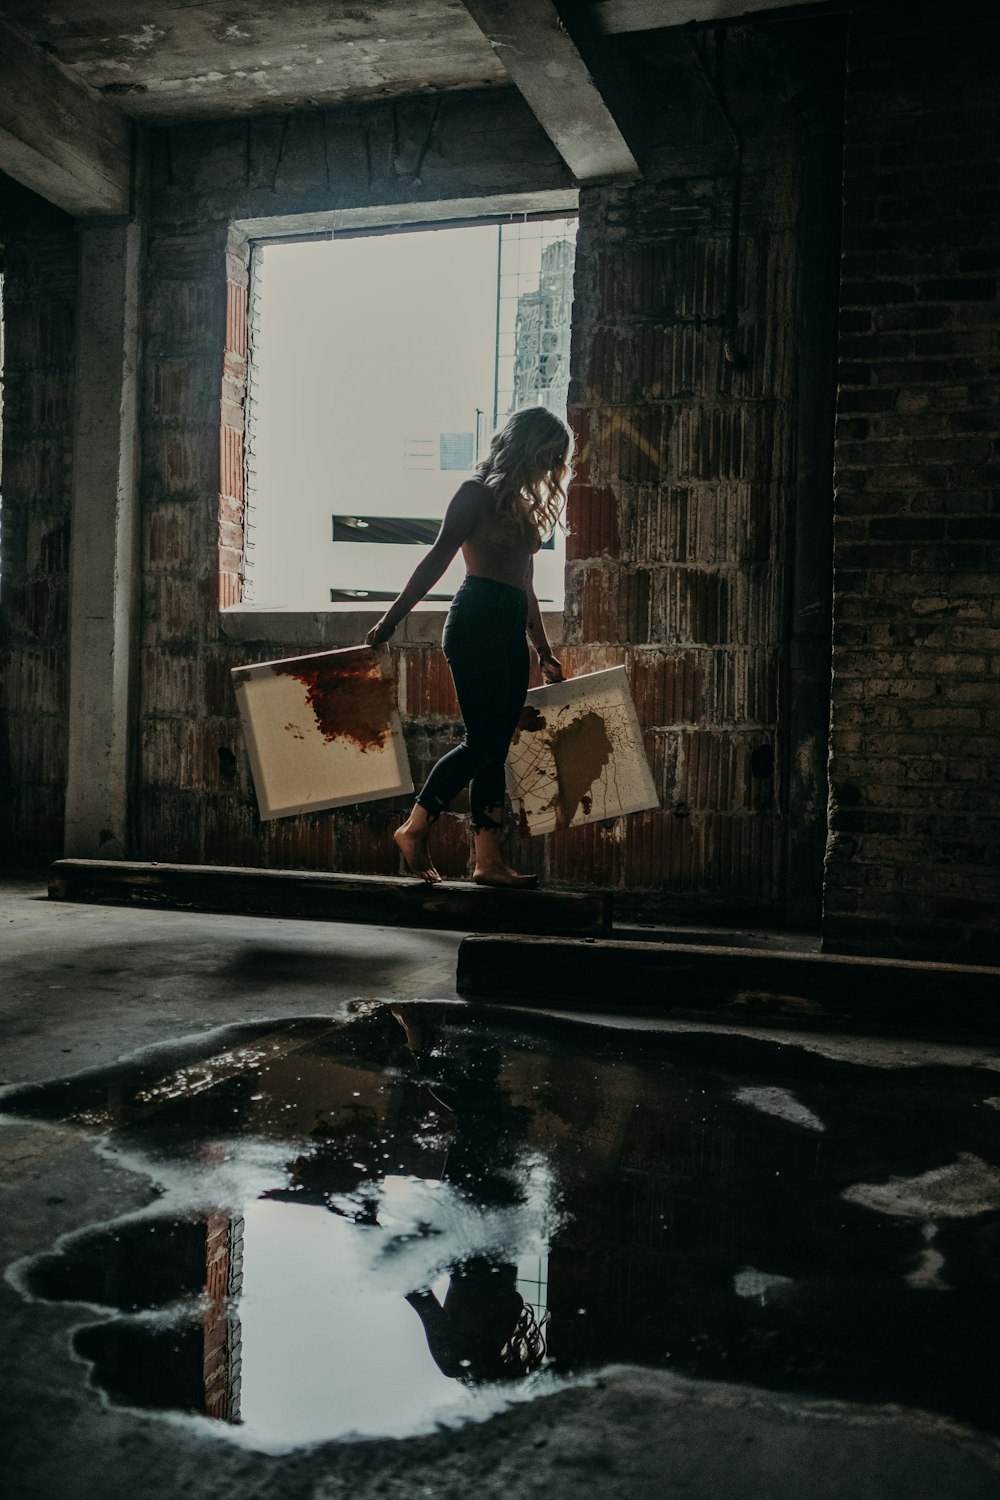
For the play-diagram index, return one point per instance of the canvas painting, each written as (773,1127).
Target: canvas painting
(322,730)
(577,755)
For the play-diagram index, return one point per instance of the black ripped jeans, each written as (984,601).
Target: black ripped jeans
(484,642)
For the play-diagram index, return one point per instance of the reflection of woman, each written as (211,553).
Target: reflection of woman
(499,520)
(483,1330)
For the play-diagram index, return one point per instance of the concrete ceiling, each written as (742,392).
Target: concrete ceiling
(168,60)
(72,72)
(200,59)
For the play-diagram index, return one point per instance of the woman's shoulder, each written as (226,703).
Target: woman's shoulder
(466,508)
(472,495)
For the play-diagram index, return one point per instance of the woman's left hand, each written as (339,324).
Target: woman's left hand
(551,669)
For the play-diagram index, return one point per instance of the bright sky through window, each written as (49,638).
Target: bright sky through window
(378,365)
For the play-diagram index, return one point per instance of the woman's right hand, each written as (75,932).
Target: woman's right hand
(379,633)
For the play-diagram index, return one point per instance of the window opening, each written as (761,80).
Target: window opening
(379,366)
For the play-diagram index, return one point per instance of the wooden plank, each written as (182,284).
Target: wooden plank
(744,986)
(381,901)
(545,63)
(58,136)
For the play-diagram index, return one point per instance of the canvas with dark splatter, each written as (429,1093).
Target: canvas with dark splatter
(577,755)
(322,730)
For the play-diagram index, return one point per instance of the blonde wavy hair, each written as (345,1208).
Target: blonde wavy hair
(528,464)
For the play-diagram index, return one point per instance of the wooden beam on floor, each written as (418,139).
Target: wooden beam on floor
(742,986)
(383,901)
(559,86)
(57,135)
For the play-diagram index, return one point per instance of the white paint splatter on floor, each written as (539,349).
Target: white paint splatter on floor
(780,1102)
(926,1276)
(965,1187)
(749,1282)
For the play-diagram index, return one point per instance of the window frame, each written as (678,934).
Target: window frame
(347,624)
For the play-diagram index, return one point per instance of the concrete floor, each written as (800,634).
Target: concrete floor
(81,987)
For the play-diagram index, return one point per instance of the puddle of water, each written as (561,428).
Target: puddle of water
(421,1213)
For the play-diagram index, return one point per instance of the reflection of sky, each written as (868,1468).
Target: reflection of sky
(327,1348)
(329,1344)
(365,344)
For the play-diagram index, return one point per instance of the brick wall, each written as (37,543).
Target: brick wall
(196,797)
(38,262)
(915,768)
(679,532)
(682,559)
(683,514)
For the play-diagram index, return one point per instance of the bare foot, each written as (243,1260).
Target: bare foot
(412,845)
(503,875)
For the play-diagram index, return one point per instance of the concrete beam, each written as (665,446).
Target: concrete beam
(417,215)
(386,901)
(546,64)
(739,986)
(104,566)
(617,16)
(57,136)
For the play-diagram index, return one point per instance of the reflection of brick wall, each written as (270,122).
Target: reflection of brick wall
(223,1282)
(915,769)
(38,262)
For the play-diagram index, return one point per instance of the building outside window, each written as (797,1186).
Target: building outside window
(380,365)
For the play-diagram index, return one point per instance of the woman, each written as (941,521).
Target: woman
(499,520)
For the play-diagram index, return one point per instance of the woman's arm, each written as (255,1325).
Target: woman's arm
(459,521)
(551,669)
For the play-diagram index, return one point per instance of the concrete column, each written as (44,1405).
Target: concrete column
(104,567)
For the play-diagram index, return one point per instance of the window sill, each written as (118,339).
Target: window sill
(328,629)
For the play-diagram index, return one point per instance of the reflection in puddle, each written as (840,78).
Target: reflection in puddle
(415,1215)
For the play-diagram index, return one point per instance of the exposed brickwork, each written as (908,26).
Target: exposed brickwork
(38,262)
(681,521)
(915,769)
(220,1320)
(678,519)
(232,484)
(197,800)
(185,710)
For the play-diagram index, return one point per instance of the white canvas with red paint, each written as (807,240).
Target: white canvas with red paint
(322,730)
(577,755)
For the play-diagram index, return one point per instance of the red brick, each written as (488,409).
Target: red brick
(592,518)
(425,684)
(668,689)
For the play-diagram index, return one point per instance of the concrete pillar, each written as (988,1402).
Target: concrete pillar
(104,567)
